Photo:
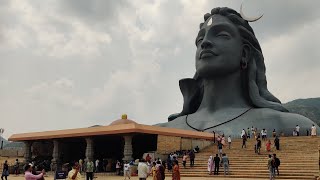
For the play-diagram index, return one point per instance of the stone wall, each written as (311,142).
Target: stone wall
(168,144)
(186,143)
(200,143)
(11,153)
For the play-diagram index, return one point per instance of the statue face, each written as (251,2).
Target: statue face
(219,48)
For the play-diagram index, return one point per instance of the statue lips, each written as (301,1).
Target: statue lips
(207,53)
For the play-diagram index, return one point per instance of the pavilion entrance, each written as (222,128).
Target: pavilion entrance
(108,149)
(72,149)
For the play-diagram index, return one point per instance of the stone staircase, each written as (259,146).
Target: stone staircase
(299,158)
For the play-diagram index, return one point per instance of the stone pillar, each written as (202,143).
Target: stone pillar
(127,150)
(55,155)
(27,151)
(89,149)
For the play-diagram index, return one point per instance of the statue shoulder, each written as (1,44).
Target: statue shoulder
(286,119)
(179,123)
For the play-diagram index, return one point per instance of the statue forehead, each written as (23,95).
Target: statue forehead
(215,20)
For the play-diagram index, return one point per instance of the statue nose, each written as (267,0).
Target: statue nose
(206,44)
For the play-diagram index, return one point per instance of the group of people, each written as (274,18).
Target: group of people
(313,130)
(268,144)
(253,133)
(5,170)
(216,162)
(157,171)
(273,165)
(99,165)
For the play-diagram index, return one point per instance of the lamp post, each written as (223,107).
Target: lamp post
(1,132)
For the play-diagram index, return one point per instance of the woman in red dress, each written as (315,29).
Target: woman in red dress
(176,171)
(268,146)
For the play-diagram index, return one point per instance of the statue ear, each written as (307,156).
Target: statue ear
(246,50)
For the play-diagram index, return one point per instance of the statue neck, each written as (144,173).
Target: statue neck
(223,92)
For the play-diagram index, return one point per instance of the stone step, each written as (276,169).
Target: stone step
(251,176)
(246,169)
(244,163)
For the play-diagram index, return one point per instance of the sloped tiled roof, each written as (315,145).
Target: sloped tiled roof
(111,129)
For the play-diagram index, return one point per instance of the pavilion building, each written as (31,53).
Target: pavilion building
(123,139)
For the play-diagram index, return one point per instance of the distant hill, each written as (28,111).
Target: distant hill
(14,145)
(5,142)
(309,108)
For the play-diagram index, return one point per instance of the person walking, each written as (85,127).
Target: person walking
(210,165)
(176,171)
(216,164)
(274,133)
(223,140)
(184,160)
(192,157)
(298,130)
(28,173)
(268,146)
(313,131)
(169,163)
(229,142)
(262,134)
(148,158)
(126,170)
(220,145)
(5,170)
(160,171)
(97,165)
(16,167)
(248,133)
(277,164)
(252,132)
(81,165)
(258,146)
(74,174)
(118,167)
(143,170)
(225,163)
(271,167)
(277,143)
(244,140)
(89,169)
(243,132)
(154,171)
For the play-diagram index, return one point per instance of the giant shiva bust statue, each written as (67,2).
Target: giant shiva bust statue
(229,89)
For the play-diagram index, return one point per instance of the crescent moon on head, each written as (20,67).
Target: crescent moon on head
(249,19)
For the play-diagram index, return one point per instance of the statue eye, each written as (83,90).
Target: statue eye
(199,40)
(223,35)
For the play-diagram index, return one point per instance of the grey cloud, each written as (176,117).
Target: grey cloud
(95,11)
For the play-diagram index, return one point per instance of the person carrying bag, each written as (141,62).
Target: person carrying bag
(5,171)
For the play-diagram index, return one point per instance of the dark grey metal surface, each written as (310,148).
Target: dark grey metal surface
(229,80)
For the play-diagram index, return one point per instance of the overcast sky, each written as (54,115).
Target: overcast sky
(77,63)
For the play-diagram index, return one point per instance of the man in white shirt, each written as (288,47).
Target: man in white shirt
(229,141)
(313,130)
(243,132)
(126,170)
(97,165)
(142,170)
(298,130)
